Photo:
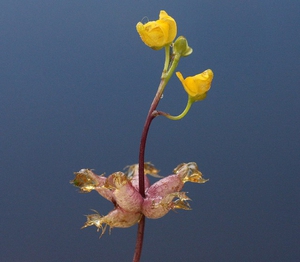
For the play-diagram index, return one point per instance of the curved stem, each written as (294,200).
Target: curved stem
(150,117)
(148,121)
(168,70)
(166,75)
(180,116)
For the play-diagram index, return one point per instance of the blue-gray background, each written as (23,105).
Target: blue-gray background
(75,87)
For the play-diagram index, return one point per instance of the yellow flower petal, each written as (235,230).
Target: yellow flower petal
(172,29)
(197,86)
(157,34)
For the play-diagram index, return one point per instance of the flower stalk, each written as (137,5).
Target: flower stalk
(180,116)
(166,75)
(168,70)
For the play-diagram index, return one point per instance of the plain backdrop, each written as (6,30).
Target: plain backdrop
(76,83)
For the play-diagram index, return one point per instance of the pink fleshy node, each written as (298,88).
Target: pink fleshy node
(122,189)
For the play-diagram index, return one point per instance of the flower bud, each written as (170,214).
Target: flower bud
(181,47)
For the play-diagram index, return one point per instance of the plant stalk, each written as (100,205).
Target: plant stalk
(169,67)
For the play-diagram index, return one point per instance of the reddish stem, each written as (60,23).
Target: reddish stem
(139,240)
(150,117)
(147,124)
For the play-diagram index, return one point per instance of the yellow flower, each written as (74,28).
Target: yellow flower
(159,33)
(197,86)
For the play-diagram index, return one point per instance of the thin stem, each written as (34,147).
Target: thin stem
(180,116)
(148,121)
(139,242)
(168,70)
(166,74)
(150,117)
(167,60)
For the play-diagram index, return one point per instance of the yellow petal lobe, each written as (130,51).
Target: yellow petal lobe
(159,33)
(197,86)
